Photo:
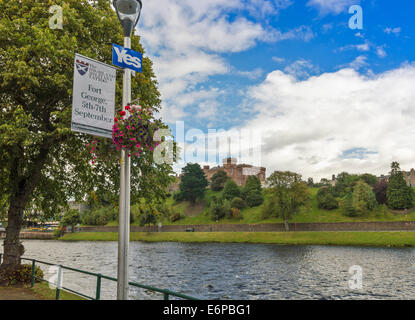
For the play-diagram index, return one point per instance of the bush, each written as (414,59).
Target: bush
(347,205)
(236,213)
(270,207)
(231,190)
(254,198)
(238,203)
(326,199)
(178,196)
(22,274)
(216,211)
(100,216)
(58,232)
(218,180)
(175,217)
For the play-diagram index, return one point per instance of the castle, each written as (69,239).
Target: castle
(408,175)
(239,173)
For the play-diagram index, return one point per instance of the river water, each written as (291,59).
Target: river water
(237,271)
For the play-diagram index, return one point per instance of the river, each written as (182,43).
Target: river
(237,271)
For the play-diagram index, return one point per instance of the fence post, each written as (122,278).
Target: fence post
(59,281)
(98,291)
(166,296)
(32,281)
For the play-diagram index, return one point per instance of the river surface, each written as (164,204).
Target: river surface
(237,271)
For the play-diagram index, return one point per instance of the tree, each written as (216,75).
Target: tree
(193,183)
(43,163)
(348,208)
(380,191)
(310,182)
(398,193)
(252,191)
(231,190)
(326,199)
(345,180)
(238,203)
(218,180)
(370,179)
(291,193)
(364,199)
(71,218)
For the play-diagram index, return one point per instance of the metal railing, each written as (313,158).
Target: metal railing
(99,277)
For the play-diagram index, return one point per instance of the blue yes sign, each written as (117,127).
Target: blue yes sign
(126,58)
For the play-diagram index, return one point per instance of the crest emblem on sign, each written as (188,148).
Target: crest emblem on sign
(82,67)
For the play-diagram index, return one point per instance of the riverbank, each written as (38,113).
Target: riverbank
(378,239)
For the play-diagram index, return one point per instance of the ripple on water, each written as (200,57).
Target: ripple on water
(237,271)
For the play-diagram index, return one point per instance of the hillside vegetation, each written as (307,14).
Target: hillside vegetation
(198,213)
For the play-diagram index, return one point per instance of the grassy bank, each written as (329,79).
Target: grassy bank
(42,290)
(393,239)
(198,214)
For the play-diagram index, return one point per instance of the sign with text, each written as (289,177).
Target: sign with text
(93,97)
(126,58)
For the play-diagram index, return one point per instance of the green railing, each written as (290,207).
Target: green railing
(99,277)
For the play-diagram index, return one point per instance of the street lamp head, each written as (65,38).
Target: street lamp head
(128,12)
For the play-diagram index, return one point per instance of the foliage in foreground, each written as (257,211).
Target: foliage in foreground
(20,274)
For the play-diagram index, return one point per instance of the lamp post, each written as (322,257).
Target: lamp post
(128,12)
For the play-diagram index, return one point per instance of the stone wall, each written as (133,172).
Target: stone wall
(271,227)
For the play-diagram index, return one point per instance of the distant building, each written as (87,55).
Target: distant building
(239,173)
(408,175)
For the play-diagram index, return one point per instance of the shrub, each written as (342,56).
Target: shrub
(218,180)
(326,199)
(236,213)
(254,198)
(364,199)
(238,203)
(227,209)
(216,211)
(380,191)
(231,190)
(58,232)
(100,216)
(175,217)
(178,196)
(21,274)
(270,207)
(347,205)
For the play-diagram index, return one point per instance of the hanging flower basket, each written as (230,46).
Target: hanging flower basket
(133,131)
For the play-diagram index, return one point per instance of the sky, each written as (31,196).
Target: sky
(316,96)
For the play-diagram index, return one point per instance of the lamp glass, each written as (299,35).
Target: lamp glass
(128,12)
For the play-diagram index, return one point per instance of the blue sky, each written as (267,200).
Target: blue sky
(293,70)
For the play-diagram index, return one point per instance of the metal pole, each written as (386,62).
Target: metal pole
(124,206)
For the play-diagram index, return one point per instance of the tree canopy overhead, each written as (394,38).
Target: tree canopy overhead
(43,163)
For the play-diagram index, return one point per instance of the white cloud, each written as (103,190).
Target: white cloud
(357,63)
(185,39)
(278,59)
(308,125)
(301,69)
(360,47)
(332,6)
(395,31)
(380,51)
(254,74)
